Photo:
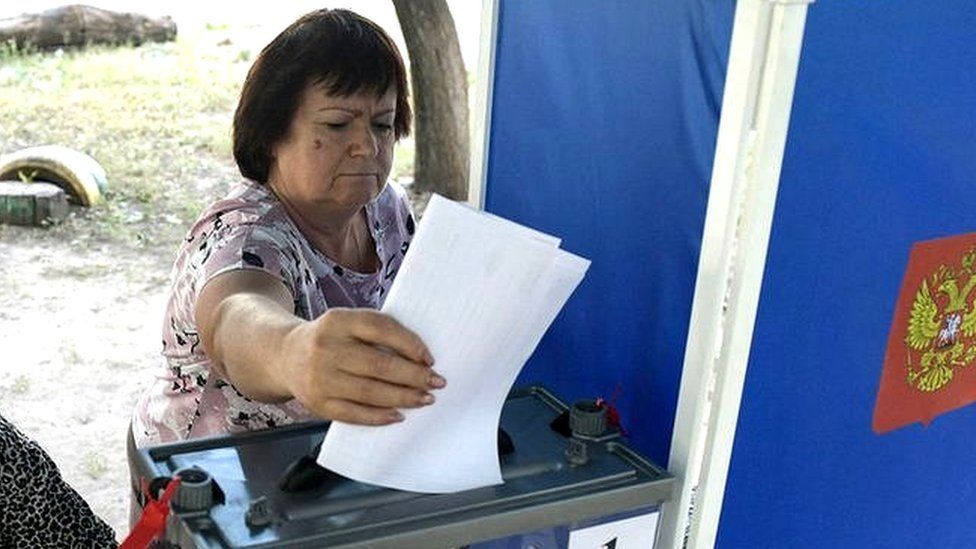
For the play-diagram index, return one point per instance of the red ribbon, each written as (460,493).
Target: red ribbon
(152,523)
(613,415)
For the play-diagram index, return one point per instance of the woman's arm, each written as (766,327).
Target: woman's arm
(353,365)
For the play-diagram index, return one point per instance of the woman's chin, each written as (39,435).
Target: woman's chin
(357,197)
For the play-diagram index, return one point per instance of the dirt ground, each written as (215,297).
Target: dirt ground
(79,330)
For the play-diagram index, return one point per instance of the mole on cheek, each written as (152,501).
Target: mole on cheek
(318,143)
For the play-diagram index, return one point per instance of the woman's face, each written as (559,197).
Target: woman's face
(338,151)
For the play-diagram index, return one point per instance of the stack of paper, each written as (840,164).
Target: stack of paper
(480,291)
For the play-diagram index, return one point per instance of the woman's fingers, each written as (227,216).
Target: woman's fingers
(383,349)
(373,392)
(361,414)
(373,363)
(376,328)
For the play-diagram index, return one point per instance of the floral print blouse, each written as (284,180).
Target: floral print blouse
(249,229)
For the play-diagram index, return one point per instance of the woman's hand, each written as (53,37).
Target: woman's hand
(357,366)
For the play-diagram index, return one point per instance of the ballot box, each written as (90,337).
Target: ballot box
(566,484)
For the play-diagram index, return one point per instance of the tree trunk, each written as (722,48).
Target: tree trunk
(440,97)
(78,25)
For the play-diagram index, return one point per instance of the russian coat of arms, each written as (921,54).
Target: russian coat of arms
(942,325)
(930,359)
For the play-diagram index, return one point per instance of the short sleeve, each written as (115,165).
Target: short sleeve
(248,246)
(404,210)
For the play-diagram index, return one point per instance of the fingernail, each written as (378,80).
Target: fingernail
(428,358)
(396,416)
(436,381)
(427,398)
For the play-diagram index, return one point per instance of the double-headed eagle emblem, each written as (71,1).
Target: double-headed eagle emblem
(941,326)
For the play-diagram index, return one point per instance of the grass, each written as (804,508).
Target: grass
(157,117)
(20,385)
(70,355)
(94,465)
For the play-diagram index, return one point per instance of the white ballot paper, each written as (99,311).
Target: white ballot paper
(480,291)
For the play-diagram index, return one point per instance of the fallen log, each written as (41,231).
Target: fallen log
(79,26)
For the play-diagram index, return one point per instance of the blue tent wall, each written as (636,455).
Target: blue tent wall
(604,120)
(881,154)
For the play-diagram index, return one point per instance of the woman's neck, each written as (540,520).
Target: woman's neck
(342,235)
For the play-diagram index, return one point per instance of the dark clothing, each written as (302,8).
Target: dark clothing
(38,509)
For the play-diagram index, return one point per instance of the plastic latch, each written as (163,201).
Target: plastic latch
(259,512)
(577,454)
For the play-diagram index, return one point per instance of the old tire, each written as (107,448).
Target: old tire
(81,176)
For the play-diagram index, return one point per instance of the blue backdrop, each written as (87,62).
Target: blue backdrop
(881,154)
(604,121)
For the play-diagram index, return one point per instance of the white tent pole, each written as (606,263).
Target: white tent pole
(760,78)
(481,117)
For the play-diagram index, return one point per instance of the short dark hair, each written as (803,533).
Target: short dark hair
(337,48)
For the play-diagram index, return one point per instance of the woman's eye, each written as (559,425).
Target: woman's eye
(383,127)
(335,125)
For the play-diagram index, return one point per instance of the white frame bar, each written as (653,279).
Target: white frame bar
(763,60)
(481,117)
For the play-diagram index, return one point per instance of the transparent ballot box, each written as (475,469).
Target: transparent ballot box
(566,484)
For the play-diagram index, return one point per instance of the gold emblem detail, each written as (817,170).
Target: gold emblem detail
(941,326)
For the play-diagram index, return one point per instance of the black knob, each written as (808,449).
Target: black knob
(587,418)
(195,492)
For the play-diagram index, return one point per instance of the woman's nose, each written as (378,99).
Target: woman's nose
(364,143)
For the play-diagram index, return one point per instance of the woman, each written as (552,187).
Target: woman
(269,319)
(37,507)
